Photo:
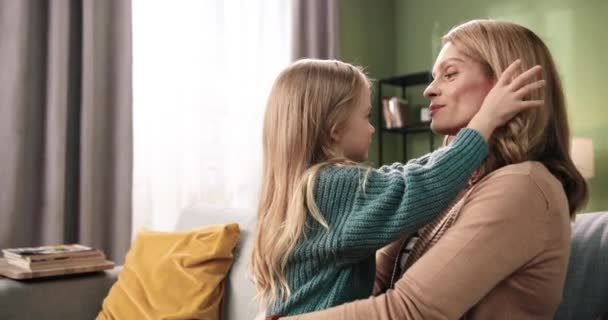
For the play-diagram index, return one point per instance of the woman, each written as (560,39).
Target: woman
(501,250)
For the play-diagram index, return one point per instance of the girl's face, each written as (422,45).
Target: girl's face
(457,91)
(354,139)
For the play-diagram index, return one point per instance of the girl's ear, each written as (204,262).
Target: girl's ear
(335,135)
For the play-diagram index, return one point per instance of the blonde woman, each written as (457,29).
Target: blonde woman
(501,250)
(321,217)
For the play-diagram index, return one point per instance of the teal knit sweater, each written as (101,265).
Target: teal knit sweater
(329,268)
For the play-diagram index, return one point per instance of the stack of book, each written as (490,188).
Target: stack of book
(55,257)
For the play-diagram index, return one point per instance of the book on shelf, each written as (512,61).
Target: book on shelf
(53,257)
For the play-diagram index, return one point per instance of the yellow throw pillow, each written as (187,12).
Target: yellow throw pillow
(173,275)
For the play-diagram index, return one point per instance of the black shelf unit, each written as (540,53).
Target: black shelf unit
(403,81)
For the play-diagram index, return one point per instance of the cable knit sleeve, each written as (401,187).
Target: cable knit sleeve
(401,199)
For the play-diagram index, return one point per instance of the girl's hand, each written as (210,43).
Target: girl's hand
(506,99)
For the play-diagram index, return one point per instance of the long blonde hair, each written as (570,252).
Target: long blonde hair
(308,100)
(541,134)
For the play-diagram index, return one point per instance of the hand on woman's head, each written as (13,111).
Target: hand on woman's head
(507,98)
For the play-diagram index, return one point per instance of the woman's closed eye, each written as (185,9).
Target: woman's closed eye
(450,75)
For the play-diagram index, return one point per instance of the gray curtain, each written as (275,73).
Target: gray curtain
(65,123)
(315,32)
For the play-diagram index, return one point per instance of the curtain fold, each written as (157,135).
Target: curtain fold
(65,123)
(315,29)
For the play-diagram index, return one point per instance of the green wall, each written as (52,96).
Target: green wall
(574,32)
(367,33)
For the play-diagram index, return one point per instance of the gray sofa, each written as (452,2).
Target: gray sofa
(80,297)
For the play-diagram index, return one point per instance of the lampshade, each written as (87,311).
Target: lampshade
(581,151)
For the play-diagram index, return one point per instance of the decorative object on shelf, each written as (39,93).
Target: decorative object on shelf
(407,124)
(386,118)
(425,115)
(395,114)
(581,151)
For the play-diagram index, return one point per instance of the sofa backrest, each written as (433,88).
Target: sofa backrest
(586,289)
(239,290)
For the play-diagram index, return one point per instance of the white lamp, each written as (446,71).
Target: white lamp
(581,151)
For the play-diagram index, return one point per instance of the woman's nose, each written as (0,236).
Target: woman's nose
(431,90)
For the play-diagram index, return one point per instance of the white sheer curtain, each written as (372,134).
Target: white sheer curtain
(202,72)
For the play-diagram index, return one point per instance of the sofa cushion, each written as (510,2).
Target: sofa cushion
(173,275)
(586,288)
(239,289)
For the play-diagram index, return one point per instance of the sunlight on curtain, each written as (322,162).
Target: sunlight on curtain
(202,72)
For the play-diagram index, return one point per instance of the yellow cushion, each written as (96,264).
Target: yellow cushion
(173,275)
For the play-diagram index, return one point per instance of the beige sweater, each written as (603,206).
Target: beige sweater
(505,257)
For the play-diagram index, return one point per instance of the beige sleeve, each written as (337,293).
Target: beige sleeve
(500,228)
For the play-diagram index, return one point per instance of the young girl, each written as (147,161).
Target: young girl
(321,217)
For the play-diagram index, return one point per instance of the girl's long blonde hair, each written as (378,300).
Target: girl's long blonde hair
(308,100)
(541,134)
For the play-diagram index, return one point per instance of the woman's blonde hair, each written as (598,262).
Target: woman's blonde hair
(308,100)
(541,134)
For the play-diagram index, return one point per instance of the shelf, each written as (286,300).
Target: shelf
(403,82)
(413,129)
(420,78)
